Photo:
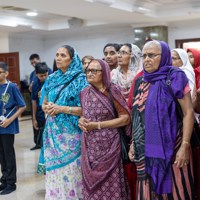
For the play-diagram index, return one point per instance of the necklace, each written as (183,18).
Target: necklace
(102,89)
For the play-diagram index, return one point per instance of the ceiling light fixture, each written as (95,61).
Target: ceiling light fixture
(142,9)
(10,23)
(32,14)
(138,30)
(107,2)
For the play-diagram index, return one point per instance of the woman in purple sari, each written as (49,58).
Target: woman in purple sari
(102,168)
(161,148)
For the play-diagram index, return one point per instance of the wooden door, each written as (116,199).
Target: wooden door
(12,60)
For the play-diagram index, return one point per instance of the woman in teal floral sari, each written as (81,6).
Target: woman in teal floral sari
(62,137)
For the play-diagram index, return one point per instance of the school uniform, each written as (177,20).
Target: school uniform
(33,75)
(40,116)
(8,106)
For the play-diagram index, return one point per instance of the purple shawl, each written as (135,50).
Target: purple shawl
(161,121)
(96,170)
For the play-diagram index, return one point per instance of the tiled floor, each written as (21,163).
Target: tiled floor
(30,186)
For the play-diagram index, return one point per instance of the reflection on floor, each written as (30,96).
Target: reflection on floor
(30,186)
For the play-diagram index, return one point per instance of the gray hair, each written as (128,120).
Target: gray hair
(155,43)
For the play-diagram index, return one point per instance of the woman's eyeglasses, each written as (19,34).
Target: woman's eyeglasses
(123,53)
(150,55)
(93,71)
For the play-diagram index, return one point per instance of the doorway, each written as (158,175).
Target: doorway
(193,43)
(12,60)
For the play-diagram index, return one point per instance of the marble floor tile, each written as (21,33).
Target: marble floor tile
(30,185)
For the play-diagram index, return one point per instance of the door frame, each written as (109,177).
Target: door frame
(179,43)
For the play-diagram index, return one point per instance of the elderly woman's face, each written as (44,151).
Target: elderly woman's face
(63,59)
(176,60)
(151,57)
(124,56)
(94,73)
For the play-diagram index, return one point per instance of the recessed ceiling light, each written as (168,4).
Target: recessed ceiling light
(32,14)
(142,9)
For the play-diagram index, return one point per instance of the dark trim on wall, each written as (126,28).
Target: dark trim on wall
(179,43)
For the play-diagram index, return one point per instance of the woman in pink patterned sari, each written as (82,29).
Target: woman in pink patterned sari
(102,168)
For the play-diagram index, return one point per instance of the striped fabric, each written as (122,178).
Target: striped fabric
(182,178)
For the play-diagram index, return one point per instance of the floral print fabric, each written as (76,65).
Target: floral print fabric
(64,183)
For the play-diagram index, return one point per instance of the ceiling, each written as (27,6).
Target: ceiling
(69,14)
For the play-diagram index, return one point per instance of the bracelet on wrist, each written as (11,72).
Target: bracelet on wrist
(70,110)
(99,125)
(185,142)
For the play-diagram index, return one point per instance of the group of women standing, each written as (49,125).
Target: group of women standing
(82,146)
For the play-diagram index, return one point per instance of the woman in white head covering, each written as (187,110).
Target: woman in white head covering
(180,59)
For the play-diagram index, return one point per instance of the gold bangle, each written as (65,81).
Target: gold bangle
(186,142)
(99,125)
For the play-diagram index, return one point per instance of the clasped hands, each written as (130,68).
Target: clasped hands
(86,125)
(51,109)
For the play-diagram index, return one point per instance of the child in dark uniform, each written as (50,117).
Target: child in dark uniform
(11,106)
(41,70)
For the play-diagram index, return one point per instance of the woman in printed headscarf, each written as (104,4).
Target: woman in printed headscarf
(102,168)
(129,64)
(161,148)
(62,136)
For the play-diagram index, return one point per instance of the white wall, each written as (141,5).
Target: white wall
(85,42)
(90,41)
(4,41)
(183,30)
(26,44)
